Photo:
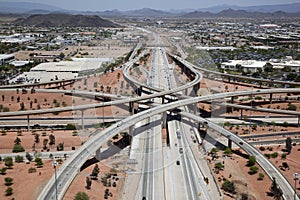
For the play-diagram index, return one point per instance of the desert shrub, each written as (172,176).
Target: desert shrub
(32,170)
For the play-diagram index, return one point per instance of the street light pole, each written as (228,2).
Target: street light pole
(296,175)
(54,165)
(103,109)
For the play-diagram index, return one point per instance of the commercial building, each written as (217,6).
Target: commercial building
(51,71)
(251,65)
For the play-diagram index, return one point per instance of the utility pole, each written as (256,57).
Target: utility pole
(54,165)
(296,175)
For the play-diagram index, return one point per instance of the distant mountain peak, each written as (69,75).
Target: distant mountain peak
(65,20)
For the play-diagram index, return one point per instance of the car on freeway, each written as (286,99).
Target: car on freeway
(180,150)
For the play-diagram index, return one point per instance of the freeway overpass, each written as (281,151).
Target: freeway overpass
(69,169)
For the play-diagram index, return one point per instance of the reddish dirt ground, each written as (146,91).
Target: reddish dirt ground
(27,140)
(293,161)
(26,185)
(236,171)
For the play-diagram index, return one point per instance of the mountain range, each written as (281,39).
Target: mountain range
(283,10)
(65,20)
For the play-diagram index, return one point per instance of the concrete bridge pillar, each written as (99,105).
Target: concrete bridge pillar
(140,91)
(186,92)
(82,119)
(28,123)
(164,120)
(232,100)
(163,99)
(196,88)
(98,154)
(229,143)
(241,117)
(271,98)
(131,107)
(130,131)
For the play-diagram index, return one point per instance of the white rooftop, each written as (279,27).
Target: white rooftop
(246,63)
(32,76)
(78,65)
(19,63)
(216,48)
(6,56)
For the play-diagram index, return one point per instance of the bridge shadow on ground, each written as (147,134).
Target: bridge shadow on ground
(112,150)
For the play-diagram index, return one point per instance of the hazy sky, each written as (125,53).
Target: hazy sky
(100,5)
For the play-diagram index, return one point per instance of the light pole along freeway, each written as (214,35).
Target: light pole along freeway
(71,166)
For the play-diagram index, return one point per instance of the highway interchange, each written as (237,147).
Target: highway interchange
(158,170)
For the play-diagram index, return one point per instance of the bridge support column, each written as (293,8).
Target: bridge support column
(82,119)
(186,92)
(131,108)
(241,117)
(130,132)
(196,88)
(164,120)
(163,99)
(229,143)
(232,100)
(28,123)
(98,154)
(271,98)
(298,120)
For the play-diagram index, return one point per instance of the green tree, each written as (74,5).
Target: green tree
(60,146)
(36,138)
(88,183)
(18,148)
(251,161)
(261,176)
(17,140)
(219,166)
(8,181)
(276,190)
(8,191)
(292,107)
(38,161)
(253,169)
(19,159)
(228,151)
(81,196)
(8,161)
(228,187)
(95,172)
(52,139)
(45,142)
(288,145)
(3,171)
